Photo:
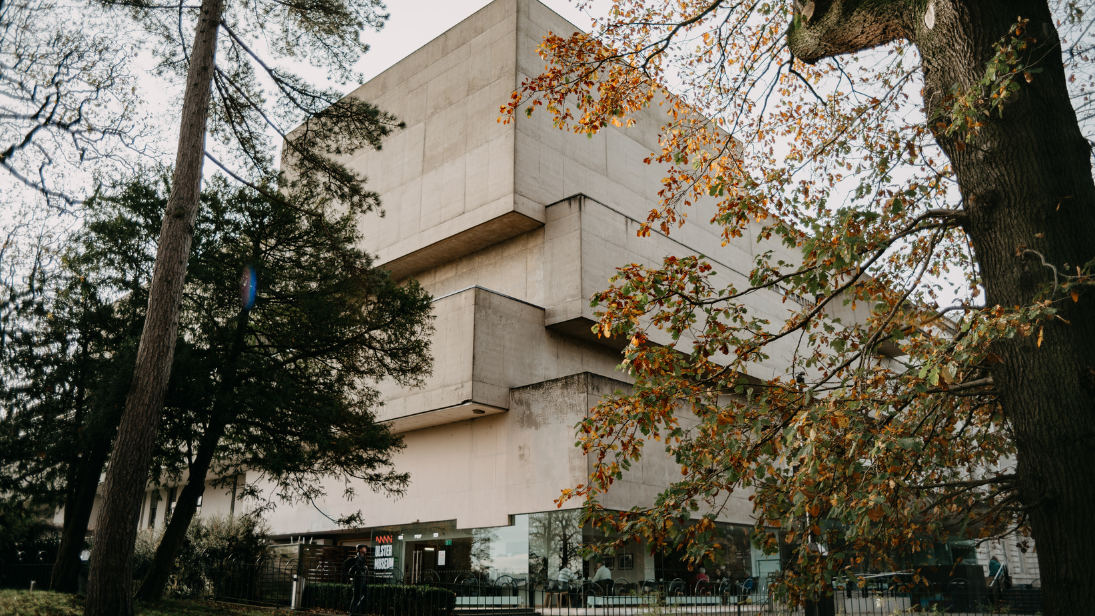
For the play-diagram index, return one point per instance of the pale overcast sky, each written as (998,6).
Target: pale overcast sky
(414,23)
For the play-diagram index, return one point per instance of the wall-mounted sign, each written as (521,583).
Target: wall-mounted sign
(441,558)
(383,560)
(383,539)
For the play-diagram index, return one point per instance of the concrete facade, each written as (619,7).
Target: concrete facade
(512,228)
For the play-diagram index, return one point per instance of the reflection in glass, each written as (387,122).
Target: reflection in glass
(554,541)
(502,550)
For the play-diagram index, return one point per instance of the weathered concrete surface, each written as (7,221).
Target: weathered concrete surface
(512,227)
(457,173)
(478,472)
(486,344)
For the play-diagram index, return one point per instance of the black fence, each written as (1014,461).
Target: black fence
(26,576)
(471,593)
(287,584)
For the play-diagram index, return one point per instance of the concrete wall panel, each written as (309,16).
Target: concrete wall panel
(479,471)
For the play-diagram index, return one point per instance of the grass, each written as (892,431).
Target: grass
(45,603)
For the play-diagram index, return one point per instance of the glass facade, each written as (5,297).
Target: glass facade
(555,541)
(440,552)
(535,547)
(501,551)
(736,559)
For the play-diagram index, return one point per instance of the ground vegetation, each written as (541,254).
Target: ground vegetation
(44,603)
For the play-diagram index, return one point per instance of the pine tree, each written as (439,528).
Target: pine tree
(284,388)
(225,87)
(71,327)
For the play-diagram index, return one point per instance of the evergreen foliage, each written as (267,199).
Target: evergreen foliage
(209,541)
(227,87)
(284,388)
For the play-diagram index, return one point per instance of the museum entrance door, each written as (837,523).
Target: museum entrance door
(423,562)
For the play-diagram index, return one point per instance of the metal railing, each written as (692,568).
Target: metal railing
(264,583)
(286,585)
(34,576)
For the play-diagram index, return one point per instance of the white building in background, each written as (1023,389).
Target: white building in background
(512,228)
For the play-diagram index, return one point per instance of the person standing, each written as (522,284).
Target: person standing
(994,569)
(358,602)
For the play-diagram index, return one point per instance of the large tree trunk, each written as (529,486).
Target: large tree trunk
(1026,184)
(110,583)
(66,570)
(155,581)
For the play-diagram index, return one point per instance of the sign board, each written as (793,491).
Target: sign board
(383,560)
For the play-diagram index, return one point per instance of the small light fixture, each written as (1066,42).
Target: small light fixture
(418,536)
(400,537)
(479,411)
(435,535)
(430,549)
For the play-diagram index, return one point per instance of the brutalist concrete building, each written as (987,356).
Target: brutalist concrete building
(512,228)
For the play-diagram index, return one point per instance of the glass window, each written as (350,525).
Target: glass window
(502,550)
(737,553)
(154,497)
(735,561)
(554,542)
(438,552)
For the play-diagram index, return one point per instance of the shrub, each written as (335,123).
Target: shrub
(209,540)
(327,596)
(386,599)
(24,537)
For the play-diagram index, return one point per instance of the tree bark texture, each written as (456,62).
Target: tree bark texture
(65,576)
(1026,183)
(155,581)
(109,591)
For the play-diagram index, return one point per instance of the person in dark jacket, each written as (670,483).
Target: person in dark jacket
(359,571)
